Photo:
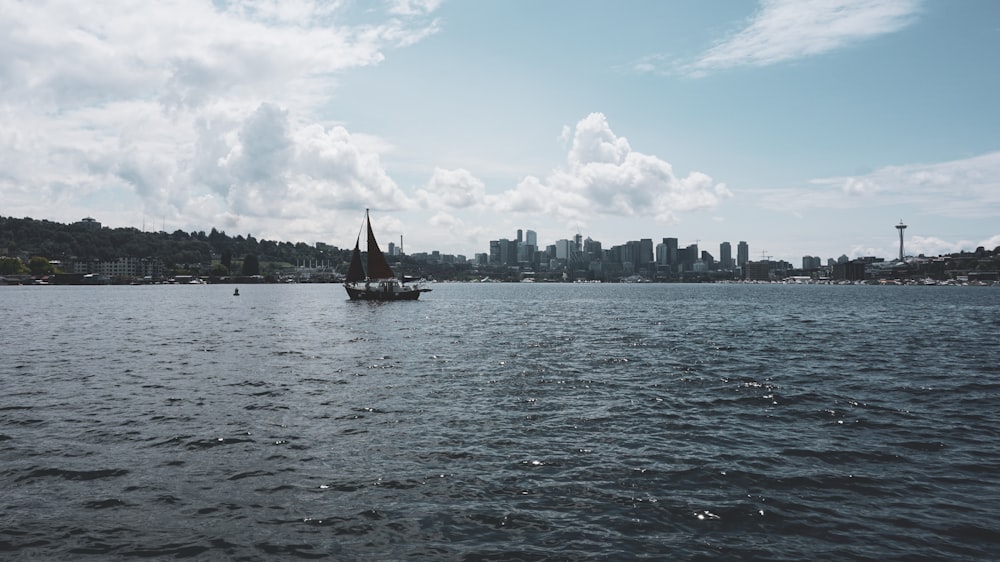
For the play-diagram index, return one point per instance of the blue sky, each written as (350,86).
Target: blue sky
(806,127)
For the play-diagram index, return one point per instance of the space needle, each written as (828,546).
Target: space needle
(901,227)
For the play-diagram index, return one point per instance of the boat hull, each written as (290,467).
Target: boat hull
(361,292)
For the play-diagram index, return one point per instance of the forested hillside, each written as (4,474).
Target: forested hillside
(27,237)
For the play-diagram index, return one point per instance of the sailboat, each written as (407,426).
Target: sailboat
(375,280)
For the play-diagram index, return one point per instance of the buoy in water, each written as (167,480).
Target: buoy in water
(236,293)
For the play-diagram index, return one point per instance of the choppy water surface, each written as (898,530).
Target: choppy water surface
(487,422)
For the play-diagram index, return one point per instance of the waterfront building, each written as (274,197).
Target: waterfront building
(592,250)
(708,259)
(614,254)
(671,244)
(503,252)
(849,271)
(686,257)
(633,252)
(645,257)
(758,271)
(742,253)
(494,252)
(564,248)
(725,255)
(525,254)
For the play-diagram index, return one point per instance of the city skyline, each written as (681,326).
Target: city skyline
(721,252)
(805,128)
(529,237)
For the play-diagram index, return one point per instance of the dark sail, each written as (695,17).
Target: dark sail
(378,268)
(356,271)
(374,280)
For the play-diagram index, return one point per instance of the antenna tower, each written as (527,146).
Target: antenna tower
(900,227)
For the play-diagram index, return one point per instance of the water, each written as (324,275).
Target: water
(500,422)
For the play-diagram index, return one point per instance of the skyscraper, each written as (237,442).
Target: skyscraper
(494,258)
(645,256)
(671,250)
(726,255)
(563,249)
(742,253)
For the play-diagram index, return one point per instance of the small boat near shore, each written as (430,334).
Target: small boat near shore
(372,279)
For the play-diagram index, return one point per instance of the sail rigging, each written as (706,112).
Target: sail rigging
(370,278)
(378,267)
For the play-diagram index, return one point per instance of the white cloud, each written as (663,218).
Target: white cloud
(991,243)
(413,7)
(932,246)
(968,188)
(784,30)
(452,189)
(199,112)
(605,176)
(445,226)
(336,172)
(602,176)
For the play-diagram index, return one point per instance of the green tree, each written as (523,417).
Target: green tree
(251,266)
(227,259)
(39,266)
(219,270)
(12,266)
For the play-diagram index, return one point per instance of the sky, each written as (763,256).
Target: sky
(803,127)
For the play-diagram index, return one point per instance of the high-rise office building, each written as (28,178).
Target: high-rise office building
(563,249)
(592,249)
(671,244)
(708,259)
(503,252)
(531,237)
(494,255)
(632,250)
(742,253)
(645,256)
(661,254)
(726,255)
(525,254)
(686,258)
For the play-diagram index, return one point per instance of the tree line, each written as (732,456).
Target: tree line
(25,239)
